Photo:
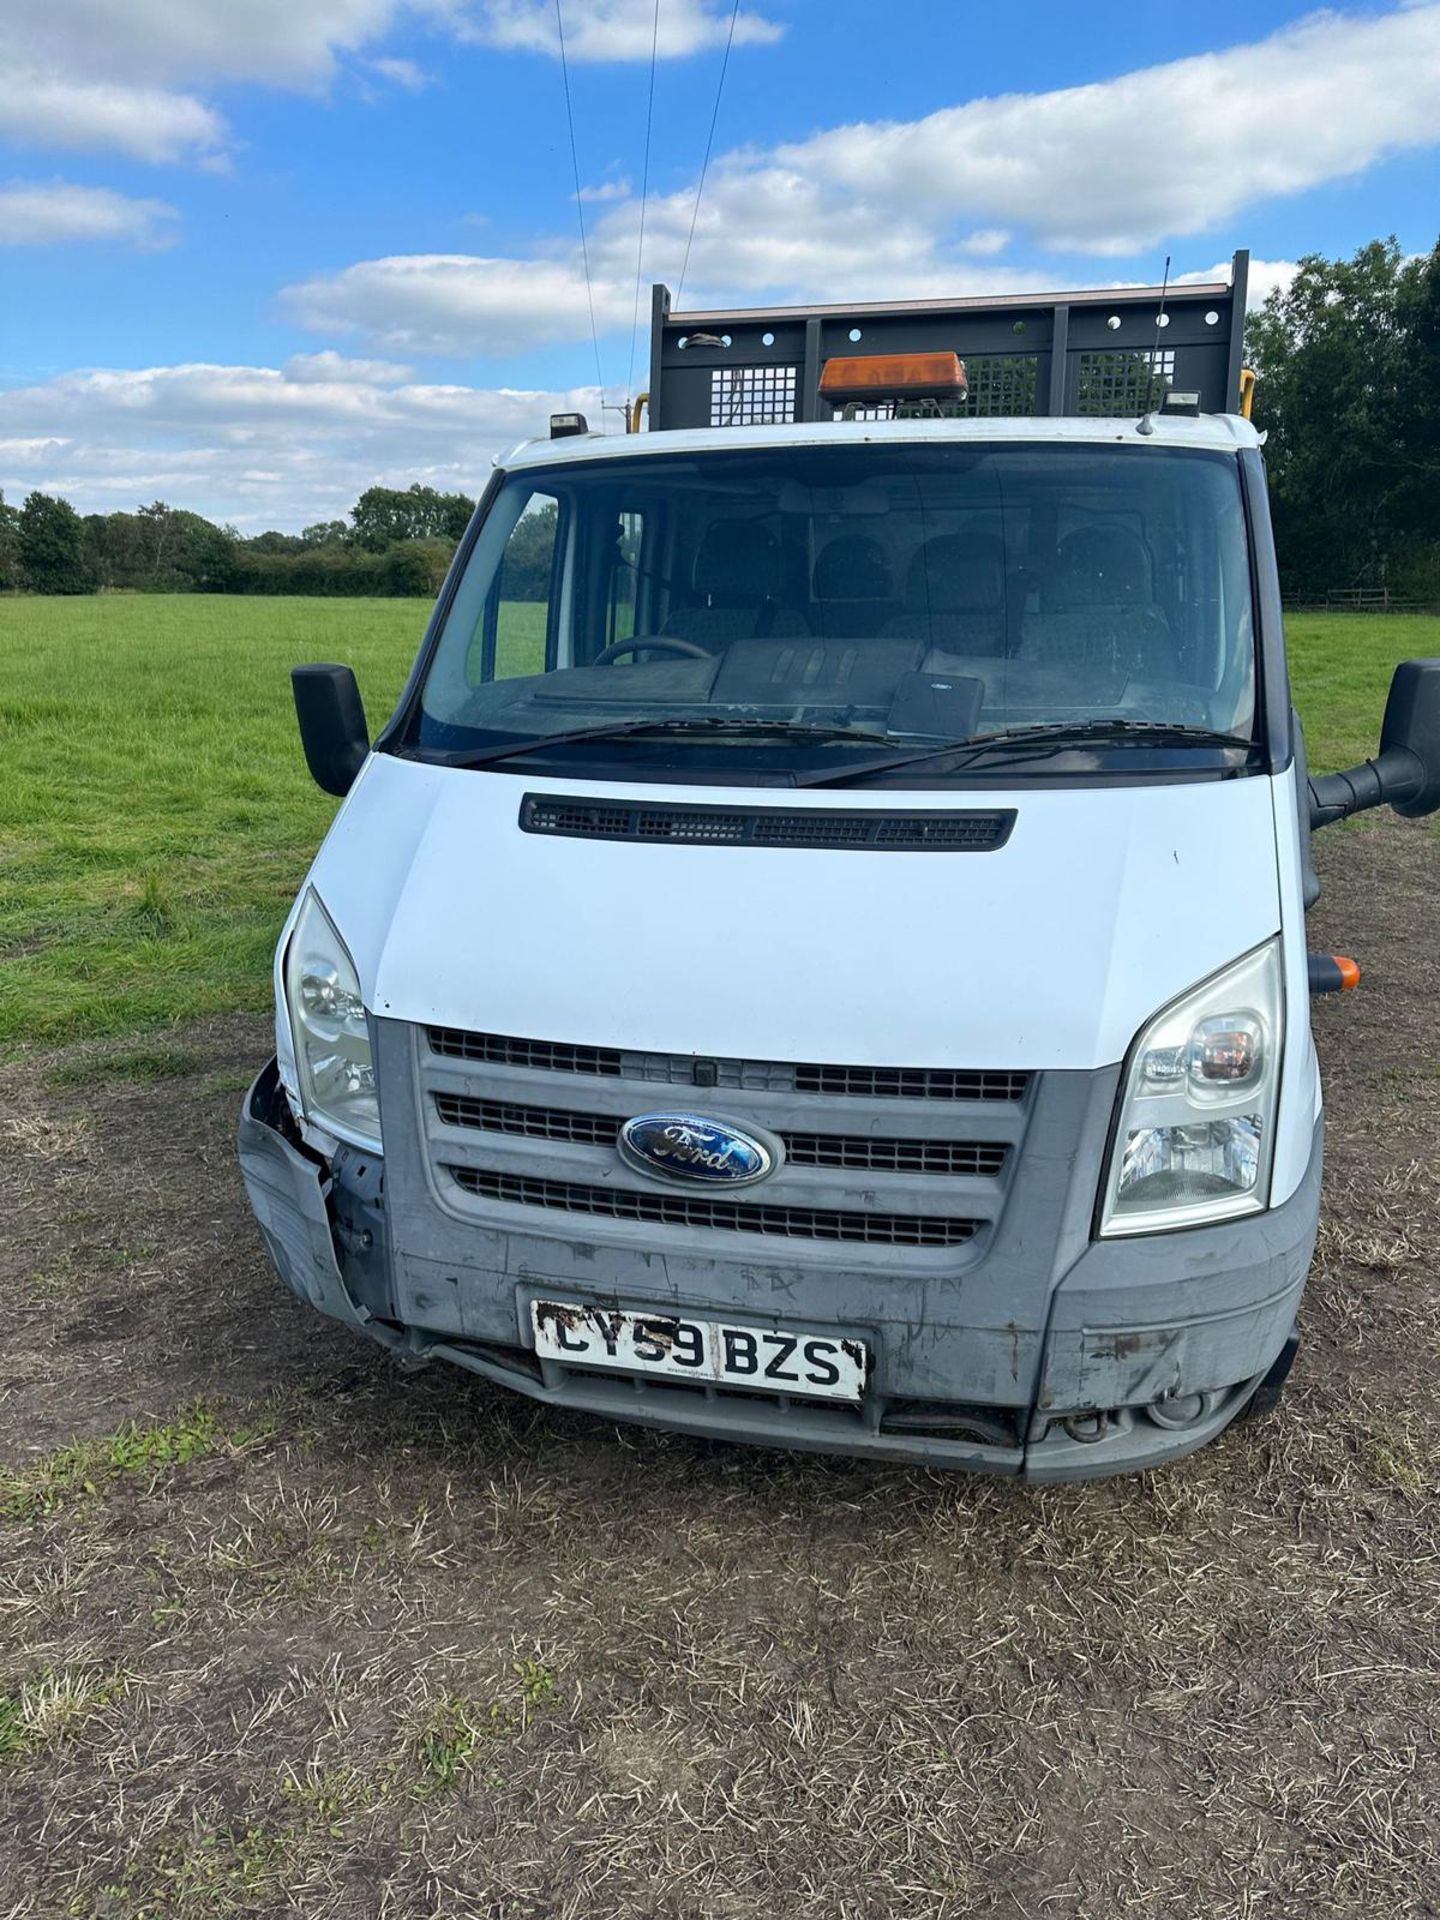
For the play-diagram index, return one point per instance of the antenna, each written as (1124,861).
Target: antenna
(1147,419)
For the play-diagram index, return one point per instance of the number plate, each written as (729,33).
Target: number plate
(678,1348)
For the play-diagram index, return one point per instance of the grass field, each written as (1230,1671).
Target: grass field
(156,816)
(155,809)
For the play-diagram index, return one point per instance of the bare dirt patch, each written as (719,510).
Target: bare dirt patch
(283,1631)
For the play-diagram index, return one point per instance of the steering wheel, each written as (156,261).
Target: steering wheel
(643,642)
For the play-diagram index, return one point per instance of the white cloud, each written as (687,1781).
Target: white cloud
(620,29)
(401,73)
(1120,166)
(37,214)
(1115,170)
(91,74)
(17,449)
(986,242)
(606,190)
(330,365)
(458,303)
(282,42)
(102,75)
(40,108)
(1265,277)
(258,446)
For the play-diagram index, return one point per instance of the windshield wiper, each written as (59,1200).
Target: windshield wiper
(621,729)
(1051,737)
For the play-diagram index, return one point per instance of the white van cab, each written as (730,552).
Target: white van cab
(818,954)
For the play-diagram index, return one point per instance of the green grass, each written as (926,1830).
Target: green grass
(449,1745)
(54,1705)
(148,1061)
(1340,668)
(156,816)
(90,1466)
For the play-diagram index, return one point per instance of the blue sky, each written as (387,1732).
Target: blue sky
(256,254)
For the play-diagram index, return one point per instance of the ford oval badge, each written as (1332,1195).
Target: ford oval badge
(684,1146)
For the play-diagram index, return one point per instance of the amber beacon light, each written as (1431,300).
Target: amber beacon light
(851,378)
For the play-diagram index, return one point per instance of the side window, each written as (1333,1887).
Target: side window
(517,614)
(624,579)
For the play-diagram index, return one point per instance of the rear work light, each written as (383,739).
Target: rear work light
(868,378)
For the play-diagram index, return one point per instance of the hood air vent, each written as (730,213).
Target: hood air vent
(970,830)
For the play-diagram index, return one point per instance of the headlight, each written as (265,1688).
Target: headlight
(332,1035)
(1196,1131)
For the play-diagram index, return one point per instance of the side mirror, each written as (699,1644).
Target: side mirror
(332,725)
(1412,729)
(1406,772)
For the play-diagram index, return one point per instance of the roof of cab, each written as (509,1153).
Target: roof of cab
(1225,432)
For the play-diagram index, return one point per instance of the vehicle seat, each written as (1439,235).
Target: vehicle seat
(852,587)
(955,595)
(1097,609)
(738,574)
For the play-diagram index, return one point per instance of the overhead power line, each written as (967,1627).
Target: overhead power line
(644,196)
(580,204)
(709,143)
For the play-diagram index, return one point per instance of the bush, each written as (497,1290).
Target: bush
(414,569)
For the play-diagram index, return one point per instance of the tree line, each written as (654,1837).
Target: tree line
(395,542)
(1348,365)
(1348,359)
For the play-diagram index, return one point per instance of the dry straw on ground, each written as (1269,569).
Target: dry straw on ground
(284,1632)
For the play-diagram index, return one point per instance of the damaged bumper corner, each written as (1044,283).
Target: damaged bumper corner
(289,1191)
(1153,1342)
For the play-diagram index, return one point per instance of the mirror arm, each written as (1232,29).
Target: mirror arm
(1397,774)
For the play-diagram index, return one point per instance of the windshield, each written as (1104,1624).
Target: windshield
(789,607)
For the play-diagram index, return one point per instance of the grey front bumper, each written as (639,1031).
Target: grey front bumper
(1195,1316)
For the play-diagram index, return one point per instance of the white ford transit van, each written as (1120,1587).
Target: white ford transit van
(818,954)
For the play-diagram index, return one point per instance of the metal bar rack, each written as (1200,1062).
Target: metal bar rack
(1097,352)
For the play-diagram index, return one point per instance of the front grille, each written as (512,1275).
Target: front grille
(659,1209)
(911,1083)
(969,830)
(894,1156)
(536,1123)
(543,1056)
(755,1076)
(849,1153)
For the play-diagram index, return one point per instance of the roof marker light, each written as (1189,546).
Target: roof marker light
(887,376)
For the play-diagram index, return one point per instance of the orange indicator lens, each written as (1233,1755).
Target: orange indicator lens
(1228,1055)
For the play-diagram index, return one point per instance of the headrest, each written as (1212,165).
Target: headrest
(1100,567)
(853,567)
(957,573)
(738,560)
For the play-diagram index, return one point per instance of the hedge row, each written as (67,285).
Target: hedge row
(414,568)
